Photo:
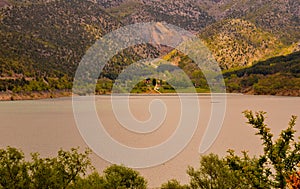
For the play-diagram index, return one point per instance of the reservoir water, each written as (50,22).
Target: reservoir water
(45,126)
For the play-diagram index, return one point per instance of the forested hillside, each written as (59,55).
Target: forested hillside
(49,39)
(238,32)
(275,76)
(180,13)
(42,41)
(237,43)
(280,17)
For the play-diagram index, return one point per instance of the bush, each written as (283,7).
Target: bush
(60,171)
(13,169)
(173,184)
(114,177)
(66,170)
(92,181)
(276,168)
(283,154)
(121,177)
(57,172)
(213,173)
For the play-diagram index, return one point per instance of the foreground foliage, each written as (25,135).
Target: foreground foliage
(57,172)
(281,155)
(277,167)
(67,170)
(115,176)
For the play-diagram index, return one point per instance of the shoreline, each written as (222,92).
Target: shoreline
(9,96)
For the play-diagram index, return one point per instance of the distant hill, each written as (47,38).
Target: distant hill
(280,17)
(237,43)
(237,32)
(42,43)
(180,13)
(110,3)
(49,39)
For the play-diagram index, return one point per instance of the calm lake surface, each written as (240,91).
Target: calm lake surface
(45,126)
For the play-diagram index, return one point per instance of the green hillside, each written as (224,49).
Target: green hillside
(275,76)
(238,33)
(237,43)
(49,39)
(280,17)
(43,42)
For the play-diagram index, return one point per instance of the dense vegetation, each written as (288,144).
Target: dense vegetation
(275,76)
(273,169)
(236,43)
(277,17)
(66,170)
(237,32)
(280,17)
(49,39)
(277,167)
(42,41)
